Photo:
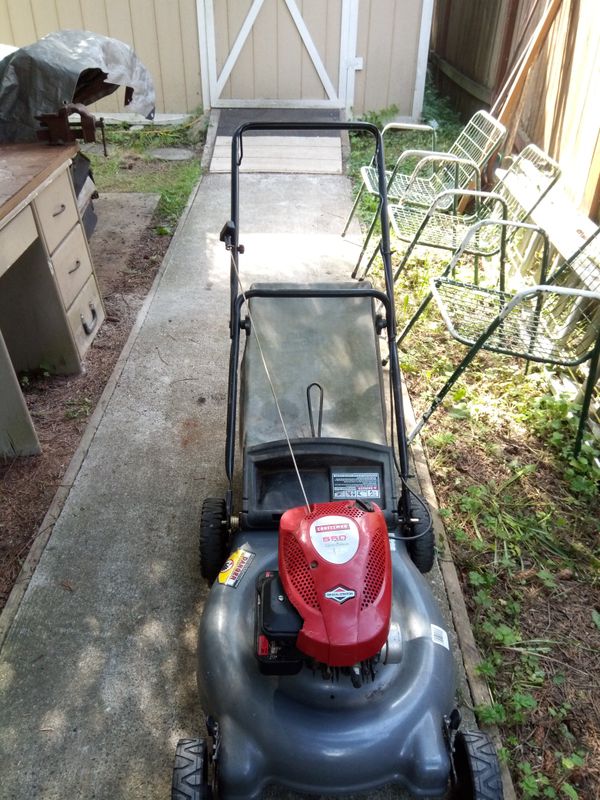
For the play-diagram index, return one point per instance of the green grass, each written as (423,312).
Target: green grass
(435,109)
(129,168)
(521,515)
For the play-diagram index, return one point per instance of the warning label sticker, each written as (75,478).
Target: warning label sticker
(235,567)
(355,485)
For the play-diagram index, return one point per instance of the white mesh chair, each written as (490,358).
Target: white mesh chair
(435,172)
(551,322)
(517,192)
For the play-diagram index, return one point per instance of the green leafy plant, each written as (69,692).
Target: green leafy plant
(79,408)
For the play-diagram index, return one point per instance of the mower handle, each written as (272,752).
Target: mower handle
(230,235)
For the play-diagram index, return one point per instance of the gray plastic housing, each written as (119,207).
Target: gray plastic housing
(317,736)
(271,486)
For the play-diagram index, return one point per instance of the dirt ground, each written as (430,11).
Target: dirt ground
(126,252)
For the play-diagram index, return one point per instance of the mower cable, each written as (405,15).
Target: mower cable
(425,508)
(254,331)
(405,485)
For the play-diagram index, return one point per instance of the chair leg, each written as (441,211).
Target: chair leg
(587,397)
(353,210)
(374,254)
(367,239)
(409,325)
(438,399)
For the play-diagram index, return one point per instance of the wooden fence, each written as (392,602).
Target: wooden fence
(474,46)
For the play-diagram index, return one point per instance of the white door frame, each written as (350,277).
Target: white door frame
(213,83)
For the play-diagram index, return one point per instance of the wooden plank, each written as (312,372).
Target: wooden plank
(69,15)
(538,38)
(191,56)
(315,15)
(295,154)
(331,57)
(21,22)
(6,25)
(360,84)
(380,50)
(45,17)
(239,44)
(312,50)
(265,48)
(289,54)
(168,35)
(144,32)
(94,16)
(242,73)
(482,93)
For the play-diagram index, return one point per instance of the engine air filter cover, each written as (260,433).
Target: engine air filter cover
(335,566)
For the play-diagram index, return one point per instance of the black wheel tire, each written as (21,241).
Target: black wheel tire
(213,537)
(422,550)
(477,768)
(190,773)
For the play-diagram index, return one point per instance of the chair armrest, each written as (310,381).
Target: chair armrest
(425,154)
(546,288)
(505,225)
(434,158)
(415,127)
(475,193)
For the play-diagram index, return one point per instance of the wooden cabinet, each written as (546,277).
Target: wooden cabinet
(50,304)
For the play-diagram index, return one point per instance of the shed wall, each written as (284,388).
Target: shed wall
(164,34)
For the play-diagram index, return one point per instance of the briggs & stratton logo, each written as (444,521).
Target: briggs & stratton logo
(340,594)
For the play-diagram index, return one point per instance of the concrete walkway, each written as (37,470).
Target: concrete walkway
(97,673)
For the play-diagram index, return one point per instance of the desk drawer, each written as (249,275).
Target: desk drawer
(72,265)
(15,238)
(57,210)
(86,315)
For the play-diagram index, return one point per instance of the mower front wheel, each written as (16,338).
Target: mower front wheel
(190,773)
(476,767)
(213,537)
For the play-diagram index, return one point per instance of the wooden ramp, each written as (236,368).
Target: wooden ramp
(305,152)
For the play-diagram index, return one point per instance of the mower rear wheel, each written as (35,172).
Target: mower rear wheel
(422,550)
(213,537)
(190,773)
(476,766)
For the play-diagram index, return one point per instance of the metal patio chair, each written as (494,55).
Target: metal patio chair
(459,167)
(517,192)
(552,322)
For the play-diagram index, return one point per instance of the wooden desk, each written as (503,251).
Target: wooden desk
(50,306)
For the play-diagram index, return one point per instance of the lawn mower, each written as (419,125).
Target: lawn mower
(324,663)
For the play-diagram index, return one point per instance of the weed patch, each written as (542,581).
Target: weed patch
(521,514)
(130,168)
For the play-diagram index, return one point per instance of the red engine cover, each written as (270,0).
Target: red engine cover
(335,566)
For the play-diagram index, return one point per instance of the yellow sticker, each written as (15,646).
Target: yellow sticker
(234,568)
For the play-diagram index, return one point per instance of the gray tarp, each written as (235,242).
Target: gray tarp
(40,78)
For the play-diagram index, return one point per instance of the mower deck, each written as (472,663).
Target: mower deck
(290,730)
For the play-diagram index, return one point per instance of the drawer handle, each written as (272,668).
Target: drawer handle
(91,327)
(61,208)
(75,268)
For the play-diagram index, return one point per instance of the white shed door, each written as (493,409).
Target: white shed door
(280,53)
